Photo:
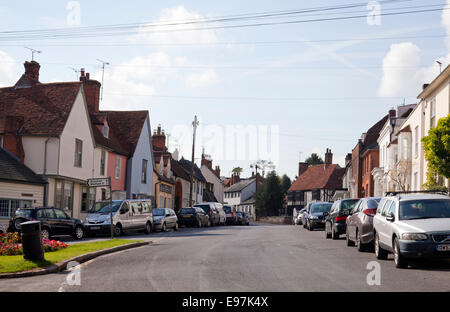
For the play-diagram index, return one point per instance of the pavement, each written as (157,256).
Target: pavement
(257,258)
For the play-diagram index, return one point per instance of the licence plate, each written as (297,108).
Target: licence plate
(95,228)
(443,247)
(186,217)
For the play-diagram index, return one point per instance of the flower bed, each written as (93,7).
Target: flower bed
(10,245)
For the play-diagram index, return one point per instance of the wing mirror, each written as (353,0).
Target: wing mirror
(391,217)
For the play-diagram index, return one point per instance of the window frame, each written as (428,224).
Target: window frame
(78,161)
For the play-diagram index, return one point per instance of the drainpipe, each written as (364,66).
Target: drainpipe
(156,198)
(45,173)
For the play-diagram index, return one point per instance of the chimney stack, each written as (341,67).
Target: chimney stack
(159,139)
(302,167)
(328,157)
(92,91)
(32,70)
(217,171)
(392,113)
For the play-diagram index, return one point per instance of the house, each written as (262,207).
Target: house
(163,181)
(182,183)
(365,157)
(434,104)
(20,187)
(386,175)
(347,180)
(47,126)
(214,183)
(240,194)
(315,183)
(199,181)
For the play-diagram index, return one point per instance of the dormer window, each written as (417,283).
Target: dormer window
(105,131)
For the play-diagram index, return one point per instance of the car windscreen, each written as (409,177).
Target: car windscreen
(103,207)
(159,212)
(424,209)
(348,205)
(316,208)
(227,209)
(23,213)
(187,211)
(205,208)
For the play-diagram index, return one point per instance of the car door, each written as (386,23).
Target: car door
(124,216)
(351,220)
(47,218)
(389,226)
(65,223)
(382,225)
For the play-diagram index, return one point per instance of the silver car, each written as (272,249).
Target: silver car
(165,218)
(128,215)
(412,226)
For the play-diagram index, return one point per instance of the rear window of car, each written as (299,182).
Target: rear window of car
(205,208)
(348,205)
(24,213)
(187,211)
(227,209)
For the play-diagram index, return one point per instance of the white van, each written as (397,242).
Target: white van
(128,215)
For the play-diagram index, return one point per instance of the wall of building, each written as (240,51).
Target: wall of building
(117,184)
(213,179)
(34,148)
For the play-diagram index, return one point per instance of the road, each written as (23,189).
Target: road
(258,258)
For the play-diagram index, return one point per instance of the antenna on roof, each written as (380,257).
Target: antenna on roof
(33,51)
(440,66)
(103,76)
(77,71)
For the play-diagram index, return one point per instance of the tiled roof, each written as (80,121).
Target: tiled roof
(127,127)
(11,169)
(237,187)
(187,165)
(110,143)
(372,135)
(319,177)
(44,107)
(179,171)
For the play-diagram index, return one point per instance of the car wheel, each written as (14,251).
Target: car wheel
(118,230)
(399,260)
(380,253)
(148,228)
(327,234)
(359,245)
(79,233)
(334,235)
(347,239)
(176,226)
(45,233)
(164,227)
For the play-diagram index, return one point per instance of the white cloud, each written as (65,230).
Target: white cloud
(8,70)
(168,34)
(200,80)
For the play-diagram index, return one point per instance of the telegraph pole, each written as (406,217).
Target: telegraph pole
(195,124)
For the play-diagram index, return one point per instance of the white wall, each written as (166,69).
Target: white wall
(213,179)
(34,148)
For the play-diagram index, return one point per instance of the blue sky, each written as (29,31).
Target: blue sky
(319,94)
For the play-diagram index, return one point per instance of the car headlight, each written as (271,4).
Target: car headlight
(314,217)
(414,236)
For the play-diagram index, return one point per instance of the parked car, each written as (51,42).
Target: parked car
(335,223)
(305,213)
(241,218)
(245,219)
(359,230)
(213,213)
(165,218)
(53,222)
(193,216)
(298,217)
(412,226)
(128,215)
(316,215)
(222,214)
(230,214)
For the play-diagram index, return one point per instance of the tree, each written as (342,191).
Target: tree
(269,197)
(285,184)
(437,153)
(314,160)
(237,170)
(400,174)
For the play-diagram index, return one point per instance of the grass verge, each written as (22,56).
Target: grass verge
(10,264)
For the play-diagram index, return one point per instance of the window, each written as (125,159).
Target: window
(105,131)
(88,195)
(64,195)
(144,171)
(102,163)
(432,113)
(78,153)
(118,167)
(60,215)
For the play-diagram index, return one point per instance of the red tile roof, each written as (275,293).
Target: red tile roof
(319,177)
(44,107)
(126,126)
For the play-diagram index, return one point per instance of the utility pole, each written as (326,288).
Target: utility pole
(103,76)
(195,124)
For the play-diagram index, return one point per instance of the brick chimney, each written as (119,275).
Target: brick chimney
(12,140)
(235,179)
(392,113)
(217,171)
(32,70)
(206,161)
(92,92)
(302,167)
(328,157)
(159,139)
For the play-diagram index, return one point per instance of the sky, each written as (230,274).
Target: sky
(274,92)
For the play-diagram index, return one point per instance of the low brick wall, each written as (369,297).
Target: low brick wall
(276,220)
